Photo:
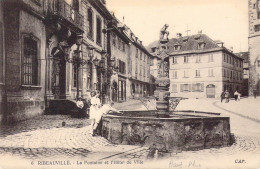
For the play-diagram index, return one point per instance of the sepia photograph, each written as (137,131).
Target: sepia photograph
(134,84)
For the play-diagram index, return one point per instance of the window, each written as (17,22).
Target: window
(198,87)
(185,73)
(119,43)
(231,74)
(174,88)
(153,49)
(1,54)
(211,58)
(198,59)
(136,55)
(175,74)
(201,45)
(141,55)
(30,61)
(75,5)
(186,59)
(74,76)
(144,71)
(211,73)
(122,67)
(185,87)
(151,62)
(177,47)
(113,39)
(224,57)
(197,73)
(258,63)
(140,70)
(174,60)
(99,26)
(123,43)
(257,28)
(90,23)
(224,73)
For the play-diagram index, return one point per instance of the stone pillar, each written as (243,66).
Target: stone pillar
(162,93)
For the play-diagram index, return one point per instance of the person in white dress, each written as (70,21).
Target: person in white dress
(105,109)
(94,109)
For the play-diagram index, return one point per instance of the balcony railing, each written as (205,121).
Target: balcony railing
(62,9)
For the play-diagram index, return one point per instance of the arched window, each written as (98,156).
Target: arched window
(90,23)
(99,26)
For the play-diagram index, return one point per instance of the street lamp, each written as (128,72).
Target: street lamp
(77,61)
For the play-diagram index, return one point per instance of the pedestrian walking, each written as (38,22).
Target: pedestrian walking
(227,96)
(236,95)
(222,96)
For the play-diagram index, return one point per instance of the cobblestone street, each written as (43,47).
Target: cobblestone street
(44,137)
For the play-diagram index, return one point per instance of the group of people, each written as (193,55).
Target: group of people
(226,95)
(97,110)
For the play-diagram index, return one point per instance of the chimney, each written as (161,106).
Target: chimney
(179,35)
(136,39)
(141,42)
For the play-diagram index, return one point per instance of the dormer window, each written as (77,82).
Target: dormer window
(153,49)
(185,39)
(177,47)
(197,37)
(201,45)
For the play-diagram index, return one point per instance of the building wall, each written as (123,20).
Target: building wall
(2,58)
(253,46)
(210,73)
(139,66)
(89,43)
(118,53)
(23,101)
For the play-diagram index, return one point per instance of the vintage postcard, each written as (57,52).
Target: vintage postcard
(129,84)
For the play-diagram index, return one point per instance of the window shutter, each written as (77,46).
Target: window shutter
(193,87)
(202,87)
(181,88)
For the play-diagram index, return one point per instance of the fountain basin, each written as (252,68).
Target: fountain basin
(178,132)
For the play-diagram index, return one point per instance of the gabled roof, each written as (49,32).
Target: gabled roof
(188,43)
(192,43)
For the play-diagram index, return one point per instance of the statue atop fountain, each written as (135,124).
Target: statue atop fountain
(164,34)
(162,80)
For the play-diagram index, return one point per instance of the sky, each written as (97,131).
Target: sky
(225,20)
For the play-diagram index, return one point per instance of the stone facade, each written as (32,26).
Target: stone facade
(23,100)
(253,46)
(167,134)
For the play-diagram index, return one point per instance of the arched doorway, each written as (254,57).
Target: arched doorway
(114,91)
(210,91)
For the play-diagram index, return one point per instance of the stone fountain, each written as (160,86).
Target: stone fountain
(164,128)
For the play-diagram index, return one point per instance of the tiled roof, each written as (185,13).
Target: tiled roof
(243,55)
(188,43)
